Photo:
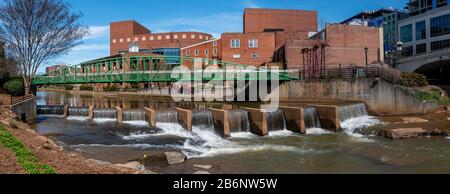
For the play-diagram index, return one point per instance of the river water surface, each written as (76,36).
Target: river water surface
(319,151)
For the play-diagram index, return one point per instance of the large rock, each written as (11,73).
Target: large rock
(404,133)
(155,159)
(133,165)
(175,158)
(414,120)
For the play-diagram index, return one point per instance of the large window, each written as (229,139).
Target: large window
(440,25)
(421,30)
(439,45)
(235,43)
(407,51)
(173,53)
(253,43)
(406,33)
(421,48)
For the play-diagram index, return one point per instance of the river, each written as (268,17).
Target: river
(319,151)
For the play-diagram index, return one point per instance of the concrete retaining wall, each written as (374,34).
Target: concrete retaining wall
(295,119)
(382,98)
(223,125)
(329,117)
(26,111)
(258,121)
(151,114)
(185,117)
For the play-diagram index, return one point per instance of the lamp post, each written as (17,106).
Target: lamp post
(366,50)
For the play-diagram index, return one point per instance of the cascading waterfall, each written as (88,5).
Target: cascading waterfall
(203,119)
(355,119)
(276,120)
(238,120)
(50,110)
(312,119)
(167,117)
(105,113)
(134,115)
(353,111)
(78,111)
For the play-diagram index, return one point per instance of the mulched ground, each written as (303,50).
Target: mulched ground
(50,153)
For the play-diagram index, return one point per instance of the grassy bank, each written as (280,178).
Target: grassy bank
(25,157)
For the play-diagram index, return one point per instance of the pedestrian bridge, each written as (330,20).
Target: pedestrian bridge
(137,69)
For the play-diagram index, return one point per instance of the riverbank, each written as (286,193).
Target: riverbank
(49,153)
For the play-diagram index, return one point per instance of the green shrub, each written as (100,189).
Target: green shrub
(86,87)
(15,87)
(68,87)
(413,80)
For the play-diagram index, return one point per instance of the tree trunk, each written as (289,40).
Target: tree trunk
(26,83)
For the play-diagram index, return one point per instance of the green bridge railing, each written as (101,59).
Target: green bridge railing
(158,69)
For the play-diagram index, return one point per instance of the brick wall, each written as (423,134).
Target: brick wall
(257,20)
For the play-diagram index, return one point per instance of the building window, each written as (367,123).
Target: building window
(196,52)
(214,43)
(167,37)
(144,50)
(235,43)
(421,48)
(421,30)
(255,55)
(406,33)
(136,39)
(159,37)
(236,56)
(192,36)
(175,36)
(184,36)
(407,51)
(144,38)
(188,53)
(114,40)
(439,45)
(253,43)
(440,25)
(121,40)
(152,38)
(206,52)
(207,38)
(128,39)
(200,37)
(214,52)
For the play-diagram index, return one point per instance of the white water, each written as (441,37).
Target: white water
(77,118)
(104,120)
(137,123)
(137,136)
(281,133)
(317,131)
(351,126)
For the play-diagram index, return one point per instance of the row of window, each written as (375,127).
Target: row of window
(236,43)
(253,56)
(161,37)
(197,52)
(439,26)
(422,48)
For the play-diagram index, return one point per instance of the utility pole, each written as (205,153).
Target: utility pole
(366,50)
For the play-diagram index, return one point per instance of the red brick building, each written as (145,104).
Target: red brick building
(270,20)
(346,46)
(124,33)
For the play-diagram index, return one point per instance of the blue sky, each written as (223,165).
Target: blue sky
(211,16)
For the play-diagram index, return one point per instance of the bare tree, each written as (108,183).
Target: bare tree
(35,31)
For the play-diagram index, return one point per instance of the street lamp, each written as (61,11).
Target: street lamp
(367,60)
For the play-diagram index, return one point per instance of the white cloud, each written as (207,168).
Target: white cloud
(90,47)
(97,32)
(251,4)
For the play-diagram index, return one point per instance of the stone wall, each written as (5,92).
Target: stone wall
(381,97)
(26,111)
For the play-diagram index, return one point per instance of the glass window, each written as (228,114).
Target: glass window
(253,43)
(236,56)
(170,52)
(188,53)
(196,52)
(406,33)
(214,43)
(440,25)
(407,51)
(255,55)
(421,30)
(206,52)
(439,45)
(235,43)
(421,48)
(214,52)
